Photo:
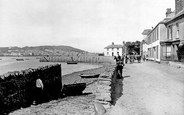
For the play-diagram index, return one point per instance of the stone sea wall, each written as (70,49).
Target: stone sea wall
(17,89)
(81,59)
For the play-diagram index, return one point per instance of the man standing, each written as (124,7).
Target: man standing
(39,91)
(119,66)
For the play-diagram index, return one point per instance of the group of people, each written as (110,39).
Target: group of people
(124,59)
(132,58)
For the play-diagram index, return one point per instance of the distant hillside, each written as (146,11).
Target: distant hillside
(40,50)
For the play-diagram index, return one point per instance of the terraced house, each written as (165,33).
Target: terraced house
(175,32)
(165,38)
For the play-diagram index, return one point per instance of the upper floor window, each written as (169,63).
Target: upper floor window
(117,49)
(107,49)
(112,49)
(157,33)
(177,30)
(170,32)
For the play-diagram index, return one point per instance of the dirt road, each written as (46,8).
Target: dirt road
(151,89)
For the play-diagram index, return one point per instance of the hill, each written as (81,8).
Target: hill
(39,50)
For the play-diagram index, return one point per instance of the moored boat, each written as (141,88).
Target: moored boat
(74,89)
(20,59)
(89,75)
(72,62)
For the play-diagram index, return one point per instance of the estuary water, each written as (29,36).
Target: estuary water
(9,64)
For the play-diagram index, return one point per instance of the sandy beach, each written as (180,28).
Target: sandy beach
(72,105)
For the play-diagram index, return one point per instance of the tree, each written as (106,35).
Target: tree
(133,47)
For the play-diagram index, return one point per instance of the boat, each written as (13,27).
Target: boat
(89,75)
(20,59)
(72,62)
(74,89)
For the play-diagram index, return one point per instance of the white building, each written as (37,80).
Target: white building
(113,50)
(145,42)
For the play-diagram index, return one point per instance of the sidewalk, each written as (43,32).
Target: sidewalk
(176,64)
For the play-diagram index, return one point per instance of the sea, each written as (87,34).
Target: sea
(10,64)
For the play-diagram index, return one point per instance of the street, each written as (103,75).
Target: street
(150,88)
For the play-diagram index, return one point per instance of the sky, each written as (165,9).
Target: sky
(89,25)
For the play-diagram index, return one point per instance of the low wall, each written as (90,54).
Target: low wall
(17,89)
(82,59)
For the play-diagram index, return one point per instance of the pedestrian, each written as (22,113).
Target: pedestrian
(118,57)
(119,66)
(39,92)
(144,58)
(179,55)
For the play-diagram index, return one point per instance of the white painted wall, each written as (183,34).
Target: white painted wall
(115,50)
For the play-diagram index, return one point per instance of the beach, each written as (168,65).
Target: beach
(72,105)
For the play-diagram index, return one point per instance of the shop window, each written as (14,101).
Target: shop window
(166,51)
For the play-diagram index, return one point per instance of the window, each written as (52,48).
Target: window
(157,51)
(170,32)
(167,51)
(117,49)
(168,48)
(112,49)
(107,49)
(177,30)
(107,53)
(157,34)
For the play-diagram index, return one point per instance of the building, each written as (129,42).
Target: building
(156,43)
(113,49)
(175,32)
(144,43)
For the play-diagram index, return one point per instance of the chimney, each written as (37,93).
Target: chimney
(168,12)
(112,43)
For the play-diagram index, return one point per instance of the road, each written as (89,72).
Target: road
(151,88)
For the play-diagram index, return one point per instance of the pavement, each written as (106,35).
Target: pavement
(151,89)
(176,64)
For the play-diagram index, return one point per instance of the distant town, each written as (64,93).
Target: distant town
(40,50)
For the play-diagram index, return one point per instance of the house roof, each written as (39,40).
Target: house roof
(176,16)
(146,31)
(114,46)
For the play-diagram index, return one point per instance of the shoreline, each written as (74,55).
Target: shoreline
(74,76)
(83,104)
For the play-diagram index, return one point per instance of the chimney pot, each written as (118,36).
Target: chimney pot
(168,12)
